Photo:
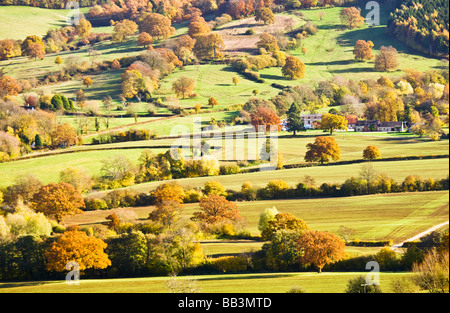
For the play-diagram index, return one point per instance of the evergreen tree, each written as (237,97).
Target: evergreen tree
(37,142)
(294,118)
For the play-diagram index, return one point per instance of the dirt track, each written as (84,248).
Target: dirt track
(237,42)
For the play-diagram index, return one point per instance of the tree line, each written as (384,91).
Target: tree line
(422,25)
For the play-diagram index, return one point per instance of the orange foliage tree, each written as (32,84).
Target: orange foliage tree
(8,86)
(215,209)
(363,50)
(371,153)
(169,191)
(156,25)
(322,150)
(265,117)
(58,200)
(293,68)
(198,26)
(283,221)
(36,51)
(144,39)
(386,59)
(76,246)
(320,248)
(351,17)
(209,46)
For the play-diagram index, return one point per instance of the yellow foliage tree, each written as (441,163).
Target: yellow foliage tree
(77,246)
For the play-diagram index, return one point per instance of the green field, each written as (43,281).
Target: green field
(227,283)
(330,52)
(48,168)
(398,170)
(18,22)
(214,81)
(374,217)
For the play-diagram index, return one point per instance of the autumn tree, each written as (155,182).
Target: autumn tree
(371,153)
(283,221)
(36,51)
(9,48)
(321,248)
(144,39)
(235,80)
(432,274)
(209,46)
(64,136)
(77,246)
(87,81)
(386,59)
(241,8)
(115,65)
(169,191)
(215,208)
(166,212)
(8,86)
(333,121)
(156,25)
(58,200)
(198,26)
(363,50)
(182,47)
(268,42)
(83,28)
(183,86)
(265,15)
(293,68)
(76,177)
(351,17)
(265,117)
(27,42)
(322,150)
(212,102)
(58,60)
(123,29)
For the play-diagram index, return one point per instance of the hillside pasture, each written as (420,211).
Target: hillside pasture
(47,168)
(330,52)
(225,283)
(374,217)
(18,22)
(398,170)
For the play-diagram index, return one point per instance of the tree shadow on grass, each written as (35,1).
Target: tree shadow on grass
(246,277)
(21,284)
(354,70)
(338,62)
(273,77)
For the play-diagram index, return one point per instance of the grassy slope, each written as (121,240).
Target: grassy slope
(47,168)
(374,217)
(327,174)
(18,22)
(339,59)
(235,283)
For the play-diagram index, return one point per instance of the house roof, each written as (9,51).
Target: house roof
(351,119)
(380,124)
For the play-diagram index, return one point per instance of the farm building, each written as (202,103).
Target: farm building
(352,120)
(377,126)
(309,120)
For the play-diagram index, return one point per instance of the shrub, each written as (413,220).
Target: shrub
(95,204)
(231,264)
(229,169)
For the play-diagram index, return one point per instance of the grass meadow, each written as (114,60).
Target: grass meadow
(18,22)
(226,283)
(373,217)
(330,52)
(398,170)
